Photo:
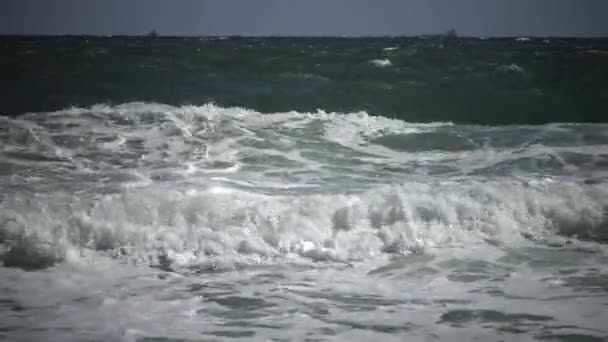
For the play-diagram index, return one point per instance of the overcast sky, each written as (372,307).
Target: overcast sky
(585,18)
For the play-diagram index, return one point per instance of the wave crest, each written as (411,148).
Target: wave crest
(194,228)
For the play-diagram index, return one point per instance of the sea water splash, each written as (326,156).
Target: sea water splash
(330,215)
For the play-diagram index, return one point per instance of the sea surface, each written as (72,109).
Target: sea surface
(303,189)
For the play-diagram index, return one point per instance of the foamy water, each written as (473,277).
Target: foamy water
(207,222)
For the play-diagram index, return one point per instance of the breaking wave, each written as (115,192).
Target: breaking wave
(210,187)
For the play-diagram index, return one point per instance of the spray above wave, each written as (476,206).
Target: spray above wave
(206,186)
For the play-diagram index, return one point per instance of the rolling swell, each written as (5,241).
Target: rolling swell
(473,81)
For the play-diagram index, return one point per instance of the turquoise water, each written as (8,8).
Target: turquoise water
(303,189)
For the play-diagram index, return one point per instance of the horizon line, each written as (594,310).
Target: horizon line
(425,35)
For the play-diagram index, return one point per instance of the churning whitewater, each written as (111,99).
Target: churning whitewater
(212,187)
(303,189)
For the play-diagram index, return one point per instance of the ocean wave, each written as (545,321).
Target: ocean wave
(194,186)
(147,141)
(185,118)
(194,228)
(324,212)
(381,62)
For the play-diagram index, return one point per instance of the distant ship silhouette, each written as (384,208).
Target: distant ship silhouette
(451,33)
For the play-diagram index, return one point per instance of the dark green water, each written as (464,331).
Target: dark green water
(493,81)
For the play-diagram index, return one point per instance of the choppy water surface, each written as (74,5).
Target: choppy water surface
(148,221)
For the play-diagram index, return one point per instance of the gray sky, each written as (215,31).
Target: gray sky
(585,18)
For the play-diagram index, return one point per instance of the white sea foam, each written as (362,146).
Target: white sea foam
(193,228)
(382,62)
(192,186)
(316,221)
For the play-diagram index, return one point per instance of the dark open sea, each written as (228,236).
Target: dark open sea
(303,189)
